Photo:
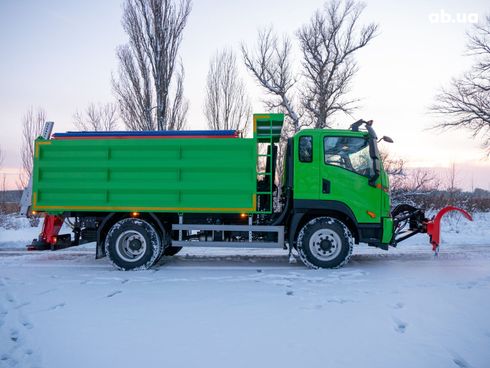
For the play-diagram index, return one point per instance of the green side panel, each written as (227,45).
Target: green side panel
(387,230)
(158,175)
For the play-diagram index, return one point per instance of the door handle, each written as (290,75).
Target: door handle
(325,186)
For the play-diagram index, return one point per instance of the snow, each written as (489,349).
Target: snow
(250,308)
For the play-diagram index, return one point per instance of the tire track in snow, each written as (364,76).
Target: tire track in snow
(110,295)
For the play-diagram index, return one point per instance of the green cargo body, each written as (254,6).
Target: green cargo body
(155,174)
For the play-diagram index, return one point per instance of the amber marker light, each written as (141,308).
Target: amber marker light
(371,214)
(135,214)
(243,215)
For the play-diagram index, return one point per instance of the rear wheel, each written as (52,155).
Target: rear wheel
(325,242)
(133,244)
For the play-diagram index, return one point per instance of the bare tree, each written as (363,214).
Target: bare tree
(409,185)
(100,117)
(466,102)
(328,43)
(32,125)
(270,64)
(422,180)
(227,105)
(147,64)
(177,115)
(3,195)
(418,187)
(396,170)
(3,188)
(452,179)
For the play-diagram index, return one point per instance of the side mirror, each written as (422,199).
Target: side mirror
(386,139)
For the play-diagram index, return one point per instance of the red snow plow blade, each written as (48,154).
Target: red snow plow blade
(433,227)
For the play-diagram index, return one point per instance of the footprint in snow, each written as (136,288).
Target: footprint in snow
(398,305)
(460,362)
(290,293)
(57,306)
(11,362)
(27,325)
(400,326)
(124,281)
(14,335)
(113,293)
(468,285)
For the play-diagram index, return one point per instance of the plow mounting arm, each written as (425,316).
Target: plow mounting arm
(408,221)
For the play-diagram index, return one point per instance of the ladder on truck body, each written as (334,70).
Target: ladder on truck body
(267,130)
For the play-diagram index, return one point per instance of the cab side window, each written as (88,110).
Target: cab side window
(306,148)
(351,153)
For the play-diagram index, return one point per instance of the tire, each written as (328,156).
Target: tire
(133,244)
(171,251)
(325,242)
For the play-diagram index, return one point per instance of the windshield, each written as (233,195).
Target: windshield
(351,153)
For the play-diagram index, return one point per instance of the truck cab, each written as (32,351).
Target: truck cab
(339,173)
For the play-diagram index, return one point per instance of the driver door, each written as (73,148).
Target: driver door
(345,168)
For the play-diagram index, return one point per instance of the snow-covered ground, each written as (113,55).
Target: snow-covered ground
(250,308)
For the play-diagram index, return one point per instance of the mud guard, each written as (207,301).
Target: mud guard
(433,226)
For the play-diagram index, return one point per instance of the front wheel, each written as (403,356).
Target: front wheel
(133,244)
(325,242)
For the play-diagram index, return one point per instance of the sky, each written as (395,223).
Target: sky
(60,54)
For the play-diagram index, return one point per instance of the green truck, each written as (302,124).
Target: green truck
(142,195)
